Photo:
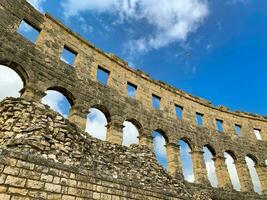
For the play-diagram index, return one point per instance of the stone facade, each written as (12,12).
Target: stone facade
(28,132)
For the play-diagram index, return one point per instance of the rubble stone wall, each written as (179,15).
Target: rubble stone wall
(44,156)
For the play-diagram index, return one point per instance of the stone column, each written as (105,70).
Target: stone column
(222,173)
(199,167)
(115,131)
(146,139)
(78,115)
(244,176)
(262,174)
(174,159)
(32,94)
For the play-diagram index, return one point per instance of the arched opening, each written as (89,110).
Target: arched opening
(97,121)
(229,160)
(58,102)
(187,164)
(209,154)
(159,145)
(10,82)
(251,162)
(130,133)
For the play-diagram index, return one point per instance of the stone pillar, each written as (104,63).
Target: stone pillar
(199,167)
(78,115)
(244,176)
(30,93)
(115,131)
(262,174)
(146,139)
(174,159)
(222,173)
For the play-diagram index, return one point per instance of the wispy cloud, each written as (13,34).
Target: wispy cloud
(96,124)
(10,83)
(254,175)
(37,4)
(231,2)
(232,171)
(57,102)
(172,20)
(130,134)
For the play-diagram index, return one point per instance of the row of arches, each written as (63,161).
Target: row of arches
(209,156)
(99,118)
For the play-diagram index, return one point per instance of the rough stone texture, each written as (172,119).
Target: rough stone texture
(30,138)
(44,155)
(45,140)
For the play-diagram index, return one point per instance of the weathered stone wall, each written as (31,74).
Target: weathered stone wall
(40,67)
(45,156)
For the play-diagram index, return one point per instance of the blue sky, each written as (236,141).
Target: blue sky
(214,49)
(222,59)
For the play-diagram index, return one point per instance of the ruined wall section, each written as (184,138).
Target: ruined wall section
(40,149)
(40,67)
(44,156)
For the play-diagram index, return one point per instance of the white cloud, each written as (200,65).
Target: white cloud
(254,175)
(210,167)
(212,173)
(159,146)
(86,28)
(232,171)
(96,124)
(172,20)
(10,83)
(238,1)
(187,165)
(37,4)
(130,134)
(57,102)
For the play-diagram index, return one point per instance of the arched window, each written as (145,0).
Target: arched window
(130,134)
(208,156)
(57,101)
(97,121)
(159,144)
(10,83)
(253,174)
(229,160)
(186,159)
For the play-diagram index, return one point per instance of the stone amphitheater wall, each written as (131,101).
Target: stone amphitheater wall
(40,67)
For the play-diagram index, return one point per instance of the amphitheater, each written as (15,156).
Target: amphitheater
(46,156)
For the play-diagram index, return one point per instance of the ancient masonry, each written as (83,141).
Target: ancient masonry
(44,156)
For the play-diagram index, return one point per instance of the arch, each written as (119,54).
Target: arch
(232,154)
(186,159)
(69,96)
(159,144)
(230,159)
(253,158)
(209,154)
(130,133)
(211,149)
(104,110)
(18,69)
(11,82)
(136,123)
(188,141)
(251,163)
(57,101)
(97,121)
(163,133)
